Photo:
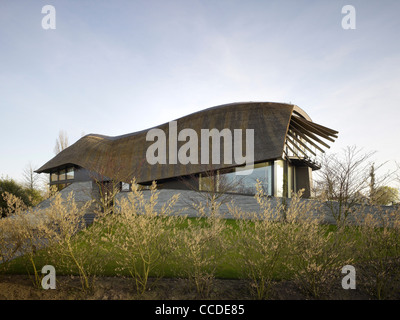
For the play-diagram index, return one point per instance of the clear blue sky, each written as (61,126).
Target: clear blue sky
(115,67)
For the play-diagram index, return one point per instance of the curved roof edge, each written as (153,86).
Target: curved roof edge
(272,122)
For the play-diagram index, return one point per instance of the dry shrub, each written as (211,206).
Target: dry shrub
(259,243)
(379,254)
(71,247)
(292,234)
(32,229)
(50,191)
(25,233)
(11,236)
(315,256)
(141,239)
(201,246)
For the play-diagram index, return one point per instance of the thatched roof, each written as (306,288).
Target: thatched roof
(277,127)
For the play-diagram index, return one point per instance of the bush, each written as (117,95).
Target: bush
(142,241)
(201,247)
(379,250)
(30,197)
(259,243)
(11,235)
(139,240)
(315,255)
(71,247)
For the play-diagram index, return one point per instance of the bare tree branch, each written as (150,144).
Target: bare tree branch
(212,187)
(61,142)
(31,179)
(347,179)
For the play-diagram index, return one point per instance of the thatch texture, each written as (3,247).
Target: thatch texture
(124,156)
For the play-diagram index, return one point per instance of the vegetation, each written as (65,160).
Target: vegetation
(29,196)
(348,179)
(61,142)
(139,241)
(385,195)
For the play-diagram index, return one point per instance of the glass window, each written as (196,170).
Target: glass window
(279,172)
(261,172)
(277,179)
(208,182)
(241,180)
(229,181)
(268,183)
(70,173)
(54,177)
(125,186)
(62,175)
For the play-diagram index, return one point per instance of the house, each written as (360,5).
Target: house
(279,140)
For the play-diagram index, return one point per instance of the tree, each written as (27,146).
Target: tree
(31,179)
(379,194)
(345,179)
(372,185)
(34,185)
(385,195)
(110,184)
(12,187)
(61,142)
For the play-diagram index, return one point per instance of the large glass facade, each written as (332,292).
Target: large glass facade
(285,179)
(277,179)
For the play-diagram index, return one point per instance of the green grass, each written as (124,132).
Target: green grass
(22,265)
(229,267)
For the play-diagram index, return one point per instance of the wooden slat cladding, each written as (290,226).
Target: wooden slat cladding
(303,134)
(307,125)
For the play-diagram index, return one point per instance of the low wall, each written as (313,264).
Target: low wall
(86,191)
(248,204)
(83,192)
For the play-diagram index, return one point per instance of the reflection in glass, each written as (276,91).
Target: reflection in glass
(62,175)
(279,165)
(272,176)
(54,177)
(125,186)
(208,182)
(243,181)
(70,173)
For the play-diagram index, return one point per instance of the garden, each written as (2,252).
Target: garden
(138,252)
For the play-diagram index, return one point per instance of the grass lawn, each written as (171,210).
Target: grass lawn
(229,266)
(228,263)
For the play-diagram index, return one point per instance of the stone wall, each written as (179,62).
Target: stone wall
(86,191)
(249,205)
(83,192)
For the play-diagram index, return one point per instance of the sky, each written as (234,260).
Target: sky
(116,67)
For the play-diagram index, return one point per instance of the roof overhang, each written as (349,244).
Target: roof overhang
(278,128)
